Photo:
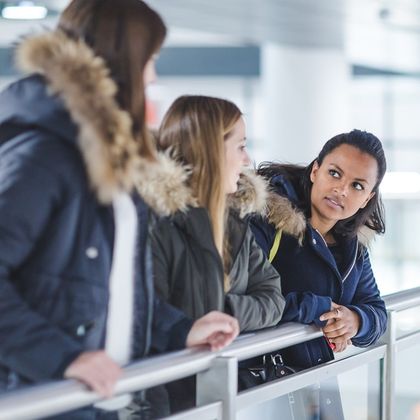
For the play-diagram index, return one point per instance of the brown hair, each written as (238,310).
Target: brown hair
(125,34)
(195,128)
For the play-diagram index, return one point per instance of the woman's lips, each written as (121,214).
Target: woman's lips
(334,203)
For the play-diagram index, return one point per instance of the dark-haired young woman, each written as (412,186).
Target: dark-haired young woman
(323,260)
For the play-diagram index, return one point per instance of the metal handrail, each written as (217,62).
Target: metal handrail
(403,300)
(61,396)
(44,400)
(54,397)
(270,339)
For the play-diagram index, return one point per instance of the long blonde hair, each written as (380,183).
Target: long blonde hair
(195,128)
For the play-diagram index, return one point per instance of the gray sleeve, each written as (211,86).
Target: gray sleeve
(262,304)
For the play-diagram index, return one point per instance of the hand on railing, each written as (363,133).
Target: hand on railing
(97,370)
(342,325)
(215,329)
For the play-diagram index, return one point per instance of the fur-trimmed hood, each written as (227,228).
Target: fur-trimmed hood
(82,83)
(285,216)
(251,195)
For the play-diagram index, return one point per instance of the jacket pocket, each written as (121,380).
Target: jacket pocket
(72,303)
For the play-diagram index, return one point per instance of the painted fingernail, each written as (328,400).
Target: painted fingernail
(332,345)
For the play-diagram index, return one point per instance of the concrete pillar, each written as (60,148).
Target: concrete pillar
(304,99)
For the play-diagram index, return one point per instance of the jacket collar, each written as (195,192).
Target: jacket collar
(250,197)
(284,215)
(82,82)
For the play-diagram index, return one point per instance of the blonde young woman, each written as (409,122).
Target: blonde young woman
(206,258)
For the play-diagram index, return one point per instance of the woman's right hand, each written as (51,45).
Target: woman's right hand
(342,325)
(97,370)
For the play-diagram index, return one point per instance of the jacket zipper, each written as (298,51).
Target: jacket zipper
(353,263)
(354,258)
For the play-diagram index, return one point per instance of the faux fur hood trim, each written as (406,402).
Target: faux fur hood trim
(283,215)
(251,195)
(163,185)
(105,139)
(366,236)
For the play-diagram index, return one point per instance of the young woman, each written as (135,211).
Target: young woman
(206,258)
(76,288)
(325,269)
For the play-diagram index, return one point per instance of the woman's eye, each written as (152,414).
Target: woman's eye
(357,186)
(334,173)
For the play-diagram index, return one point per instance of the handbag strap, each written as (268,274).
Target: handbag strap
(274,249)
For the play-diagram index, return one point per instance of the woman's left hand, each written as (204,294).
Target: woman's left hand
(342,325)
(215,329)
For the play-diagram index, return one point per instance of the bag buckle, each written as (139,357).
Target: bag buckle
(276,359)
(258,372)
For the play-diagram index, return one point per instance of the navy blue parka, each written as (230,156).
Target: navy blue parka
(65,150)
(311,279)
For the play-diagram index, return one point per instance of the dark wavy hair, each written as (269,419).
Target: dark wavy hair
(372,215)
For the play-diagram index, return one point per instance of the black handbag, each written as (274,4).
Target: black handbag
(317,401)
(271,367)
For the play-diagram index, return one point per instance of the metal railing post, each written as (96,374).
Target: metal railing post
(220,383)
(388,374)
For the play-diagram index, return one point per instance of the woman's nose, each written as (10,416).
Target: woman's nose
(246,159)
(341,189)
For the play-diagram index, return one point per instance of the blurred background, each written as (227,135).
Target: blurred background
(301,71)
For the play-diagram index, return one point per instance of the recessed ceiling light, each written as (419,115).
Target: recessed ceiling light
(24,10)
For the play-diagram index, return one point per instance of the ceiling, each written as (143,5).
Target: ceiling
(382,33)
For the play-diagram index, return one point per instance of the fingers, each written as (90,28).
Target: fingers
(336,329)
(215,329)
(335,312)
(339,347)
(345,323)
(224,322)
(97,370)
(220,340)
(329,315)
(340,344)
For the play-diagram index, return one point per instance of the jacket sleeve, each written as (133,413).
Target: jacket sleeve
(263,303)
(370,307)
(30,345)
(306,308)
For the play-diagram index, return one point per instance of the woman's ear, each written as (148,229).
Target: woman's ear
(314,170)
(367,200)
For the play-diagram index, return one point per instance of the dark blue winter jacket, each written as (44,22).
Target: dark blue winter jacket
(311,278)
(63,152)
